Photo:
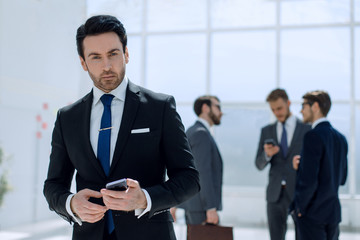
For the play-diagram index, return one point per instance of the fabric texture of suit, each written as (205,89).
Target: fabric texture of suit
(209,163)
(280,169)
(322,169)
(145,157)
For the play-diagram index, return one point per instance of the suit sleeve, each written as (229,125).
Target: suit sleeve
(201,148)
(344,163)
(309,167)
(60,173)
(260,160)
(183,180)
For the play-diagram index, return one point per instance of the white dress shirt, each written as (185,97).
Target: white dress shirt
(290,125)
(320,120)
(117,109)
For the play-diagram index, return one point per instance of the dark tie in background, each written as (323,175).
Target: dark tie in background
(103,151)
(283,142)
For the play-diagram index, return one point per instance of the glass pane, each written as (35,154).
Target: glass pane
(357,63)
(241,63)
(176,15)
(314,12)
(316,59)
(133,68)
(176,65)
(357,10)
(242,13)
(237,138)
(187,114)
(129,12)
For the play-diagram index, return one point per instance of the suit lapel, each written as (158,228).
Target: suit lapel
(274,133)
(212,139)
(132,101)
(87,101)
(296,135)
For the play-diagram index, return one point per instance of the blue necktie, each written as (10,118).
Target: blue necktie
(283,141)
(103,151)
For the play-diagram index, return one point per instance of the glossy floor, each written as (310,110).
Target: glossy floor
(61,230)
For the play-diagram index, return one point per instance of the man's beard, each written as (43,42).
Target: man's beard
(214,118)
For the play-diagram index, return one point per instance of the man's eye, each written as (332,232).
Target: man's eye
(113,54)
(95,57)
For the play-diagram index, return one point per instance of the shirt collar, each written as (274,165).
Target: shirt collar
(289,122)
(320,120)
(205,123)
(119,92)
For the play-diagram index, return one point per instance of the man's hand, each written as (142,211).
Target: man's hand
(173,213)
(85,210)
(212,216)
(296,161)
(129,200)
(271,150)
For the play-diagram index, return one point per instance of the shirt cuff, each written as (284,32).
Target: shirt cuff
(267,158)
(139,212)
(68,209)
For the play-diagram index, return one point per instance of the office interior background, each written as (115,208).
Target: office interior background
(238,50)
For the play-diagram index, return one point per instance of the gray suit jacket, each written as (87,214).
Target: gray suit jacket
(281,168)
(210,166)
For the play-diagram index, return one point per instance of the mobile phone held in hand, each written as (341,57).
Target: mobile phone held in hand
(118,185)
(270,141)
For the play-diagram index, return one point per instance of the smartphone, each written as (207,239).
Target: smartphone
(270,141)
(118,185)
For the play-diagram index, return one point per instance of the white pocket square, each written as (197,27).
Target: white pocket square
(140,130)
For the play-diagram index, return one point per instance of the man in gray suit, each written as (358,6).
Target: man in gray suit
(203,207)
(279,143)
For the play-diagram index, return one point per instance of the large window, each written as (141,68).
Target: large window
(240,50)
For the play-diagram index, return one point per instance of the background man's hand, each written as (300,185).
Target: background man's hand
(271,150)
(212,216)
(129,200)
(296,161)
(85,210)
(173,213)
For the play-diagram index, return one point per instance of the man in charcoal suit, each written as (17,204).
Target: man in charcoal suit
(279,143)
(204,206)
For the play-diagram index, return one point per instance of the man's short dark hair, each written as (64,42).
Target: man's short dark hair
(322,98)
(275,94)
(200,101)
(97,25)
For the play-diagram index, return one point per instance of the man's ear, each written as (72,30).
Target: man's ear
(83,64)
(205,108)
(126,55)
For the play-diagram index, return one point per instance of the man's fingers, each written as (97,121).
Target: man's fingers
(132,183)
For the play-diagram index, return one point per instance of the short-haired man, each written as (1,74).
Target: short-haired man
(279,143)
(118,130)
(204,206)
(321,169)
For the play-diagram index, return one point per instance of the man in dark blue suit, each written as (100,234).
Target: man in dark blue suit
(321,170)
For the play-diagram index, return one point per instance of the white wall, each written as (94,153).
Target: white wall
(38,64)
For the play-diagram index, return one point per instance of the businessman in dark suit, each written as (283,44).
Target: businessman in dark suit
(279,143)
(204,206)
(118,130)
(321,169)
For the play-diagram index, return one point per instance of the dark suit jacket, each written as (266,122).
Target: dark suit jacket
(322,169)
(210,166)
(281,168)
(144,157)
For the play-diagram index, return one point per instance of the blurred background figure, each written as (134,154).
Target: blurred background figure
(321,169)
(203,207)
(279,143)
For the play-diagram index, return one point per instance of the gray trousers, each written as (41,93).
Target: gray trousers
(277,213)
